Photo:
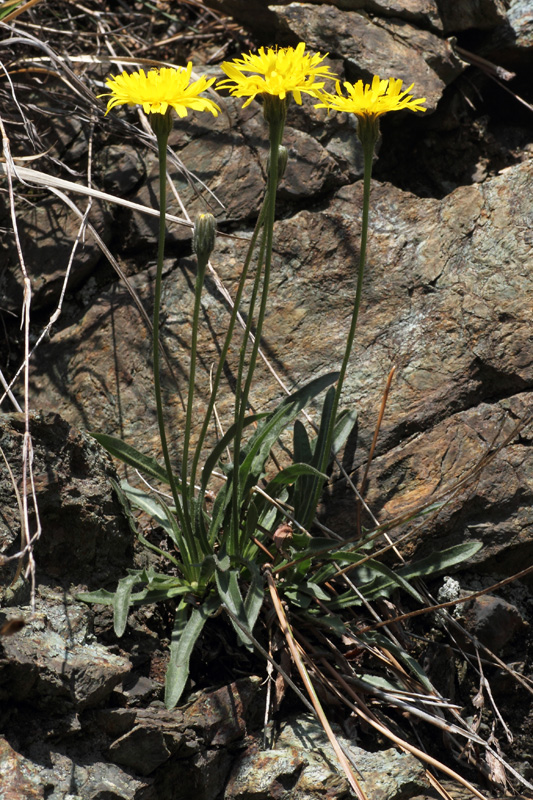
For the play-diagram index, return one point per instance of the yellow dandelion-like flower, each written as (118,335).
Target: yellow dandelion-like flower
(160,89)
(278,72)
(369,101)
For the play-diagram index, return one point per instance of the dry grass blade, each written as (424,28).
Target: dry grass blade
(33,176)
(291,642)
(14,14)
(28,484)
(364,713)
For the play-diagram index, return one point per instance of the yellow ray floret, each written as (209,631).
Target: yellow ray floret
(278,72)
(372,100)
(160,89)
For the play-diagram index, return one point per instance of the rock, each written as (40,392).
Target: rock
(256,16)
(229,156)
(83,525)
(385,774)
(202,777)
(303,766)
(151,753)
(50,663)
(20,778)
(222,716)
(261,18)
(48,231)
(482,14)
(384,47)
(510,45)
(138,690)
(424,13)
(262,774)
(121,167)
(494,507)
(156,736)
(493,621)
(520,18)
(86,777)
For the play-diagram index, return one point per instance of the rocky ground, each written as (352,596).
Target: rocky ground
(447,301)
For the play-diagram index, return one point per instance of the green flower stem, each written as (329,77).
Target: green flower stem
(224,352)
(161,124)
(202,264)
(368,132)
(249,321)
(275,112)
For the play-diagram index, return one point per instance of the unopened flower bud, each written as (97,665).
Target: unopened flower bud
(203,239)
(283,157)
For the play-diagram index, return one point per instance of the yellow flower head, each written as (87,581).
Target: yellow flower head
(371,100)
(160,89)
(278,71)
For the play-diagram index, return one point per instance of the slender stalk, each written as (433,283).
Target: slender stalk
(368,134)
(161,125)
(275,112)
(225,347)
(187,506)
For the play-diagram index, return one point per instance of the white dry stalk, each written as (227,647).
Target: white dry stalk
(304,675)
(28,485)
(359,708)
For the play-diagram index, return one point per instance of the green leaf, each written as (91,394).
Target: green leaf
(308,489)
(122,599)
(160,512)
(258,448)
(101,596)
(315,590)
(229,592)
(392,579)
(188,625)
(214,456)
(158,594)
(131,456)
(297,597)
(302,450)
(345,600)
(436,562)
(289,474)
(256,451)
(126,506)
(255,596)
(343,427)
(343,556)
(441,560)
(378,639)
(147,503)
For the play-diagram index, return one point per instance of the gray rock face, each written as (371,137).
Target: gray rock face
(262,18)
(384,47)
(83,524)
(303,766)
(458,17)
(52,663)
(229,156)
(47,231)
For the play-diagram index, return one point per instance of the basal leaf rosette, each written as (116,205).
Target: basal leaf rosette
(277,72)
(160,89)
